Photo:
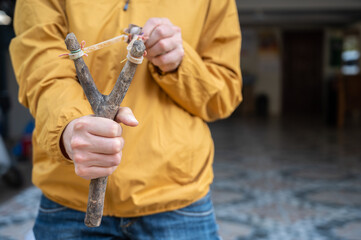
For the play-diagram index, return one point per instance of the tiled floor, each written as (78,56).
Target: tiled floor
(287,180)
(274,180)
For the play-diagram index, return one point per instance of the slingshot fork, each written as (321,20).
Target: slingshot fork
(103,106)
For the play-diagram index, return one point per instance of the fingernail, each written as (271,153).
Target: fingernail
(131,118)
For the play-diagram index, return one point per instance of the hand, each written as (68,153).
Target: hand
(164,44)
(95,144)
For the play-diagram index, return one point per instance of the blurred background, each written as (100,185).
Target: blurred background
(294,54)
(288,161)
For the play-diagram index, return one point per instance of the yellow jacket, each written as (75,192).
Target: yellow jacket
(167,159)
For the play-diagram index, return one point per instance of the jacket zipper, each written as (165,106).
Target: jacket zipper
(126,5)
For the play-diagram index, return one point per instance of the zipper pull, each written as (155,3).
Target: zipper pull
(126,5)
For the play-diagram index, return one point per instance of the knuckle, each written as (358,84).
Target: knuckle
(79,158)
(181,52)
(115,130)
(81,124)
(117,159)
(76,143)
(163,44)
(109,171)
(80,171)
(160,31)
(122,142)
(116,147)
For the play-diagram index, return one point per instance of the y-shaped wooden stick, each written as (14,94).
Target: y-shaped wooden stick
(103,106)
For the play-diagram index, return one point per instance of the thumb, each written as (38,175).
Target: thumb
(126,116)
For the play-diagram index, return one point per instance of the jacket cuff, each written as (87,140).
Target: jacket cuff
(64,120)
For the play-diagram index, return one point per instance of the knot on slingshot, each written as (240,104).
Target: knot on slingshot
(135,60)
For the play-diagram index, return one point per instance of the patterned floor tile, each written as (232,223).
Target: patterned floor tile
(234,231)
(340,230)
(334,197)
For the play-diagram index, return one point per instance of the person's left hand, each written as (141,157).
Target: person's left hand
(164,44)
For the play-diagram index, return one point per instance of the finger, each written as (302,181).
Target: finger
(152,23)
(86,159)
(170,61)
(161,47)
(126,116)
(94,172)
(160,32)
(96,144)
(98,126)
(108,146)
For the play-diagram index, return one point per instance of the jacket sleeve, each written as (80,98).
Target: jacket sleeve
(208,82)
(47,83)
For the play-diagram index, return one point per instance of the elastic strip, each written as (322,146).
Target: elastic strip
(76,54)
(129,56)
(134,59)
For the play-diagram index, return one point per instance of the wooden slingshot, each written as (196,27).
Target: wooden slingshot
(104,106)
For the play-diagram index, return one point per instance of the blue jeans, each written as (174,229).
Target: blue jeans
(196,221)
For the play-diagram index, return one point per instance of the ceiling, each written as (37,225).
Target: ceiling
(299,12)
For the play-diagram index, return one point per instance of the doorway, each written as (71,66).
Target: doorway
(302,72)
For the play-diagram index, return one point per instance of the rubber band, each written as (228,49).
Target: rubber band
(73,55)
(76,51)
(129,47)
(106,43)
(63,55)
(135,59)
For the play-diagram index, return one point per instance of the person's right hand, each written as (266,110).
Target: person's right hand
(95,144)
(164,44)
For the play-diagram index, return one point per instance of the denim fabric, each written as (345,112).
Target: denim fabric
(196,221)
